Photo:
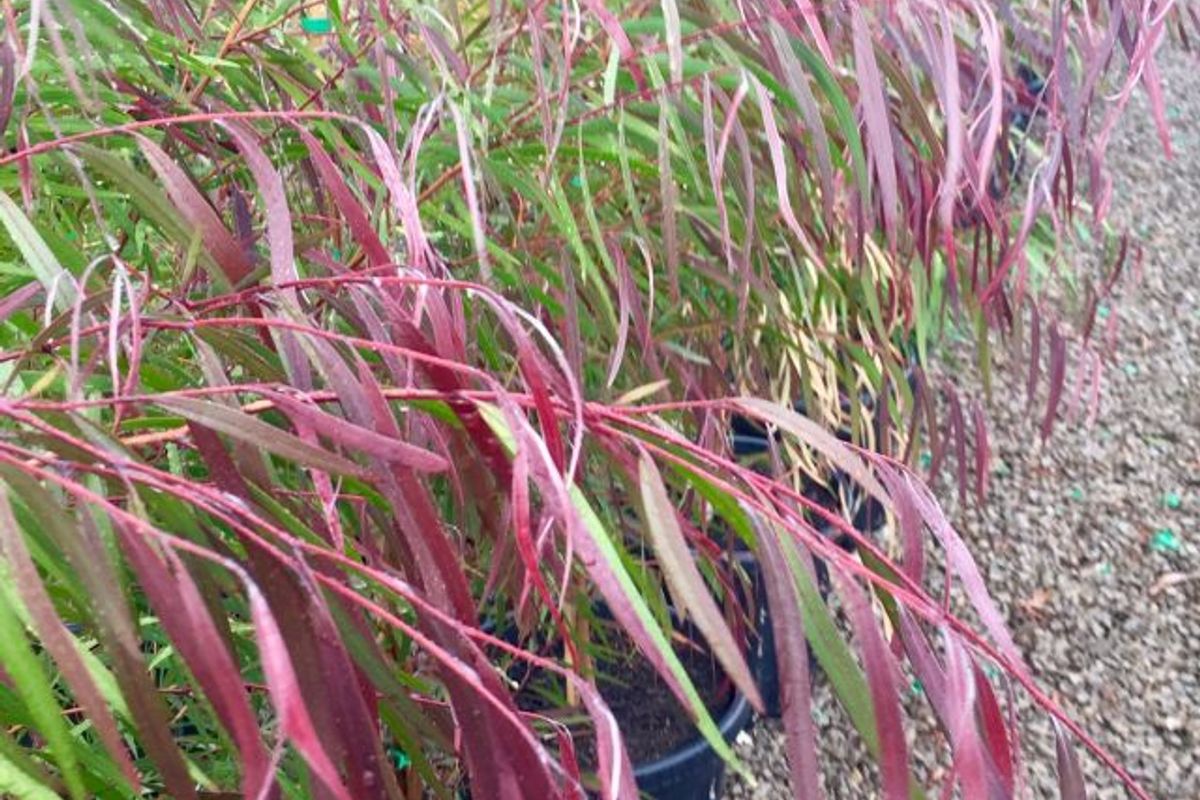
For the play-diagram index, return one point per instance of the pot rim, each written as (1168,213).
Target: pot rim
(733,720)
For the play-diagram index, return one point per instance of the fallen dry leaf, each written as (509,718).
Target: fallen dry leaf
(1170,579)
(1036,605)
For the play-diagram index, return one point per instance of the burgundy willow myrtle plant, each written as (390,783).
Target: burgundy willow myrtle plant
(318,537)
(319,350)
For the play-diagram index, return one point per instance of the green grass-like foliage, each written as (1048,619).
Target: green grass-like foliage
(324,343)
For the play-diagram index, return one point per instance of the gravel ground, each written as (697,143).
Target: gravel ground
(1092,544)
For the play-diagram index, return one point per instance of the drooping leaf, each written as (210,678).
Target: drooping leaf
(196,209)
(43,265)
(14,782)
(1071,785)
(1058,372)
(294,720)
(792,658)
(893,754)
(350,207)
(56,638)
(875,117)
(29,678)
(361,439)
(688,590)
(253,431)
(186,620)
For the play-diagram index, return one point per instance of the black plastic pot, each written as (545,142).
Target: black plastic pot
(761,656)
(694,771)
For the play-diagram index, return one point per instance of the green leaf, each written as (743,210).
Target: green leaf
(15,782)
(837,662)
(32,684)
(42,263)
(151,201)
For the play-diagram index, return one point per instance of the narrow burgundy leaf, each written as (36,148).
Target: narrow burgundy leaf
(612,27)
(504,759)
(749,199)
(438,44)
(937,443)
(523,532)
(21,298)
(1158,107)
(1058,368)
(448,382)
(716,171)
(597,553)
(791,654)
(280,243)
(881,679)
(418,252)
(990,37)
(185,617)
(625,295)
(351,695)
(419,528)
(221,468)
(478,225)
(355,215)
(958,427)
(122,642)
(1071,785)
(641,314)
(961,701)
(527,548)
(572,337)
(995,731)
(797,82)
(812,434)
(614,769)
(666,186)
(364,440)
(197,210)
(8,83)
(294,721)
(908,521)
(243,222)
(782,173)
(1035,354)
(875,117)
(968,572)
(1068,173)
(375,329)
(251,430)
(812,17)
(570,764)
(947,74)
(925,664)
(1117,268)
(270,186)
